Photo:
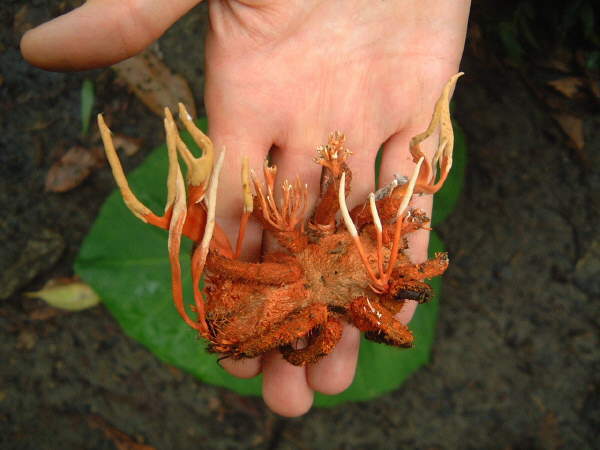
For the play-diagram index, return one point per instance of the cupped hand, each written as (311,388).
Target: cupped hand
(281,75)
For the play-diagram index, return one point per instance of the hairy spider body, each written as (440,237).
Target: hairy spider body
(327,272)
(247,314)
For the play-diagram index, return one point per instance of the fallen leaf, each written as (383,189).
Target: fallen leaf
(72,296)
(568,86)
(561,60)
(121,440)
(74,167)
(41,125)
(129,145)
(573,127)
(154,83)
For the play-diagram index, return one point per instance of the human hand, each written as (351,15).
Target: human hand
(280,75)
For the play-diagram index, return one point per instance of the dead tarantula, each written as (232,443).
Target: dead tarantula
(329,273)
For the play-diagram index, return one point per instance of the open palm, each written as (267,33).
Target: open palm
(281,75)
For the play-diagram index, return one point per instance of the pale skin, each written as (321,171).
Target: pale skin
(280,75)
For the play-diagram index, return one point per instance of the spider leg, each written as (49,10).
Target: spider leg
(296,326)
(406,290)
(332,157)
(321,342)
(285,270)
(378,323)
(416,290)
(428,269)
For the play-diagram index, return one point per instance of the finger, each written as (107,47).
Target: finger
(229,210)
(230,194)
(334,373)
(242,368)
(407,312)
(100,33)
(285,389)
(240,141)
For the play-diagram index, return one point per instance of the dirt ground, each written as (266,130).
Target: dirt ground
(516,363)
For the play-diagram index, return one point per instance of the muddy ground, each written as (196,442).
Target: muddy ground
(516,363)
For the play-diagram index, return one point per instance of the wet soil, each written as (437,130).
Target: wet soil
(516,363)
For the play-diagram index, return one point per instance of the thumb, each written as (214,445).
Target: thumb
(100,33)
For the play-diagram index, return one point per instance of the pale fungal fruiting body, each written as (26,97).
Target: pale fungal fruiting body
(327,272)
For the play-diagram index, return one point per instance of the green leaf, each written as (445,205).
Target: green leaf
(445,200)
(87,103)
(126,262)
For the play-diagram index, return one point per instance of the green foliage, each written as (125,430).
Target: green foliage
(126,262)
(87,104)
(445,200)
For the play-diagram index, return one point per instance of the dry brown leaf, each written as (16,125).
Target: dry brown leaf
(568,86)
(154,83)
(561,60)
(572,127)
(121,440)
(129,145)
(74,167)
